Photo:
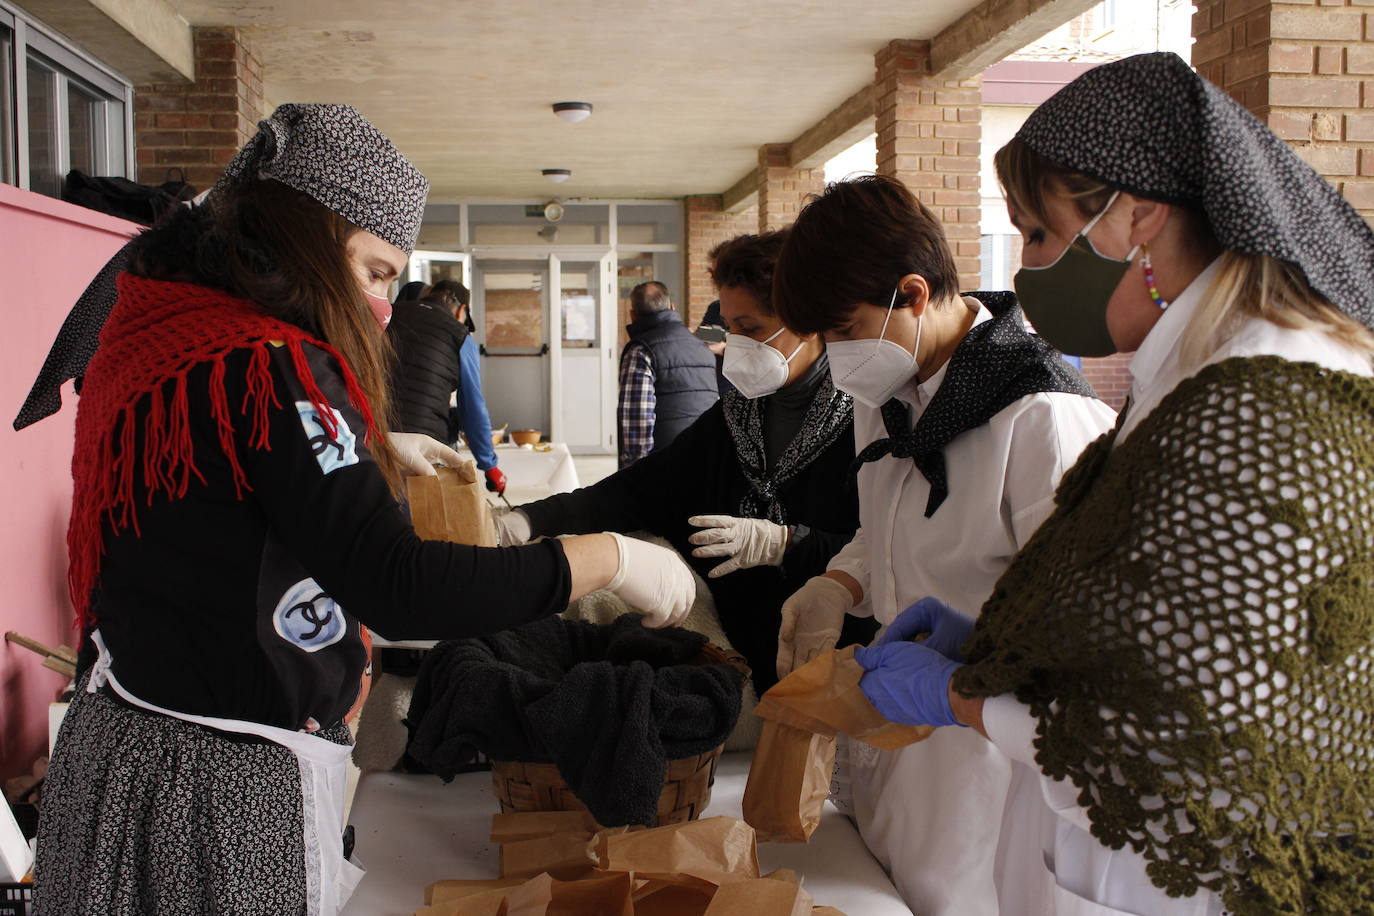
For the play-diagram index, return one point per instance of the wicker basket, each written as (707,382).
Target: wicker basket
(686,788)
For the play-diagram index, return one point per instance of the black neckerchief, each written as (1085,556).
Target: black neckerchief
(828,416)
(996,364)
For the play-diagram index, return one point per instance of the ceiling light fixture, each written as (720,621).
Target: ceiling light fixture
(573,112)
(557,176)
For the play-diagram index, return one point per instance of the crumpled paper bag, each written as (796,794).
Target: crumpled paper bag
(789,778)
(677,870)
(705,853)
(762,895)
(451,506)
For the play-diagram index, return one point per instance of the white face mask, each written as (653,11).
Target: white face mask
(871,370)
(754,368)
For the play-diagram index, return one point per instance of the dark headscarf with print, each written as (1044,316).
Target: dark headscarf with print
(996,364)
(1152,127)
(330,152)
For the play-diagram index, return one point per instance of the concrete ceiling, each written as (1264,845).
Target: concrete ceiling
(685,92)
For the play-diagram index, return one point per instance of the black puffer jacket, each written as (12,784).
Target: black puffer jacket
(426,338)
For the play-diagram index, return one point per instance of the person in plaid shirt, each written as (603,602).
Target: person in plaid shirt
(667,375)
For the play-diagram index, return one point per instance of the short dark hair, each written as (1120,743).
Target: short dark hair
(649,297)
(852,244)
(746,262)
(448,292)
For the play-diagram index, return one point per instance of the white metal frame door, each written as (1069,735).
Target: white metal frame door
(507,385)
(610,333)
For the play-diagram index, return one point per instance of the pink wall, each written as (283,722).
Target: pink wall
(49,250)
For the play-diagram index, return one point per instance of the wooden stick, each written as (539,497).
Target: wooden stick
(65,653)
(53,663)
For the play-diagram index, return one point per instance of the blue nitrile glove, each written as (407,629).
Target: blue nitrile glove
(948,628)
(908,683)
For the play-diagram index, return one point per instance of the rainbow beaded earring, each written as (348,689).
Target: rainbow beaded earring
(1150,277)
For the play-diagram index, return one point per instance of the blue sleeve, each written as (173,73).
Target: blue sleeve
(472,407)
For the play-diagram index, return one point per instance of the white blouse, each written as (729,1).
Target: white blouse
(1090,879)
(953,821)
(1002,477)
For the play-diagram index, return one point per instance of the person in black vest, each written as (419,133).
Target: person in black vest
(667,375)
(429,337)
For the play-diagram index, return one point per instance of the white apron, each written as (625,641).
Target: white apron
(330,878)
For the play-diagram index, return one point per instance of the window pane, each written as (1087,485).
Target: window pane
(513,303)
(84,129)
(42,99)
(7,174)
(114,140)
(577,301)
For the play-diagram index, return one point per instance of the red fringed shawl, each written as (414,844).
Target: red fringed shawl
(156,334)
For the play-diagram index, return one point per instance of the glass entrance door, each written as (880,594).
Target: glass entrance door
(511,307)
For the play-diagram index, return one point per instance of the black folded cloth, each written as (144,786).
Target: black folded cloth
(609,705)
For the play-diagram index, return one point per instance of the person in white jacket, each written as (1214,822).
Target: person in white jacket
(1182,651)
(963,424)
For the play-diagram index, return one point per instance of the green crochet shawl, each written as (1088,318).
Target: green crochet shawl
(1193,629)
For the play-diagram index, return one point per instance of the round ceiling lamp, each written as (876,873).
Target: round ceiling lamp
(557,176)
(573,112)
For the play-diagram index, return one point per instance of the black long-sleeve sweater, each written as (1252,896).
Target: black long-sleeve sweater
(699,474)
(249,608)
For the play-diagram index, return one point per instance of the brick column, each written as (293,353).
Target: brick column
(783,189)
(1305,70)
(199,126)
(708,224)
(928,137)
(1110,377)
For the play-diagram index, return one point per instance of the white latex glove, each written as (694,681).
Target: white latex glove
(653,580)
(512,528)
(811,621)
(419,454)
(746,541)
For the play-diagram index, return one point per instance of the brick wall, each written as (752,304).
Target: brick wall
(929,132)
(1110,377)
(199,126)
(707,226)
(1306,70)
(782,189)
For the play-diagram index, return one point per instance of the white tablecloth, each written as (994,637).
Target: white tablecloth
(414,830)
(532,474)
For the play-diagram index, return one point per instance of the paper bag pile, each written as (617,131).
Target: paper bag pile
(451,507)
(558,863)
(790,775)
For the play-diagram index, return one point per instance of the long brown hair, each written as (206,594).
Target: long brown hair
(286,252)
(1246,285)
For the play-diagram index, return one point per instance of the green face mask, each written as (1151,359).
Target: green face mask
(1067,300)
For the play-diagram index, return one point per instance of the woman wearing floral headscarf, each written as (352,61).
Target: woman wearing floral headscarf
(234,526)
(1185,648)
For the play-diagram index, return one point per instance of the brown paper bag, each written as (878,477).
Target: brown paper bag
(488,903)
(451,506)
(605,895)
(760,897)
(564,855)
(702,854)
(789,780)
(790,774)
(823,696)
(674,901)
(530,825)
